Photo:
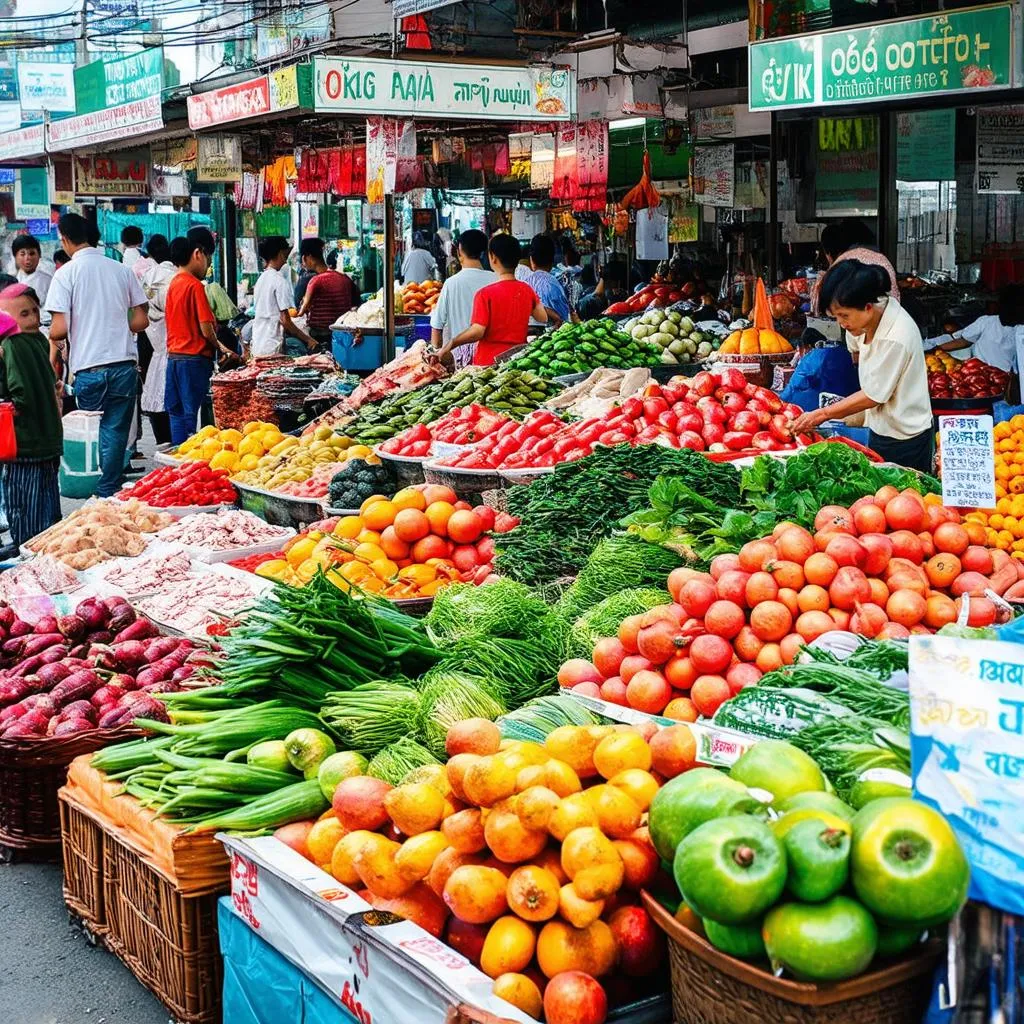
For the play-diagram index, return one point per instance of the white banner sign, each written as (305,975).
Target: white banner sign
(405,8)
(124,122)
(46,86)
(1000,152)
(968,461)
(22,143)
(408,88)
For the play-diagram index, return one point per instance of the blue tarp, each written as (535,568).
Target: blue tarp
(261,986)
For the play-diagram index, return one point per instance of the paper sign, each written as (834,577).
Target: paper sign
(968,461)
(1000,150)
(714,175)
(966,746)
(219,158)
(652,234)
(310,225)
(542,161)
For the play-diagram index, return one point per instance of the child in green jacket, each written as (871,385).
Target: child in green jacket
(30,484)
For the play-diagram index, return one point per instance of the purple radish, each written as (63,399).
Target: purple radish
(74,627)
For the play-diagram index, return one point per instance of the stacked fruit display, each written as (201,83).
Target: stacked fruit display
(230,449)
(419,298)
(819,891)
(718,412)
(293,460)
(407,546)
(1004,527)
(507,856)
(675,334)
(754,342)
(972,378)
(891,565)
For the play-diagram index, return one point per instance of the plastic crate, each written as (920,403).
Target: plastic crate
(362,348)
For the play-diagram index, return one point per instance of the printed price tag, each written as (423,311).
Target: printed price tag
(968,461)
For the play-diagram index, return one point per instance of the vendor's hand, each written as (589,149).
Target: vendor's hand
(808,422)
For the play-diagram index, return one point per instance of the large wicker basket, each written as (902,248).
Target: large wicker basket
(709,987)
(31,772)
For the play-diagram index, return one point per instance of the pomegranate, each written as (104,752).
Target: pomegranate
(868,620)
(710,654)
(756,553)
(849,586)
(747,645)
(834,519)
(904,513)
(795,544)
(696,597)
(771,621)
(724,619)
(732,586)
(879,549)
(810,625)
(761,587)
(608,655)
(869,518)
(906,607)
(907,545)
(969,583)
(578,670)
(893,631)
(723,563)
(978,559)
(846,550)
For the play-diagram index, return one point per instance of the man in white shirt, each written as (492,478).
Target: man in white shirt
(272,301)
(26,251)
(99,306)
(454,310)
(419,264)
(131,240)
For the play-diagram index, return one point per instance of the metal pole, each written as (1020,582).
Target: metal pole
(773,233)
(389,278)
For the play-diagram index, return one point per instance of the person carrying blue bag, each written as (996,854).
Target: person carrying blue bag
(822,367)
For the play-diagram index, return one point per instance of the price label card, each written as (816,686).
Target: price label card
(968,461)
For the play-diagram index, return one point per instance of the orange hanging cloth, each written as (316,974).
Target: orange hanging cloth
(763,320)
(643,194)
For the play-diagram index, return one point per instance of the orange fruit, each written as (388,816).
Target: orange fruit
(437,492)
(348,527)
(438,513)
(369,553)
(409,497)
(391,545)
(411,525)
(429,547)
(384,569)
(379,515)
(370,500)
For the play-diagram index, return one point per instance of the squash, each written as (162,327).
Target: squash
(749,342)
(753,341)
(731,345)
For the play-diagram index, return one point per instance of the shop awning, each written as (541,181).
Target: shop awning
(23,144)
(127,121)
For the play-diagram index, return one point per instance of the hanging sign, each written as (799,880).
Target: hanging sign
(713,122)
(120,174)
(124,122)
(219,158)
(682,221)
(407,8)
(1000,150)
(953,52)
(751,182)
(968,461)
(45,86)
(846,176)
(390,144)
(267,94)
(309,225)
(652,234)
(542,161)
(406,88)
(925,145)
(714,175)
(31,193)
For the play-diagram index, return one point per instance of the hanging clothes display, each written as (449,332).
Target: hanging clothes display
(591,167)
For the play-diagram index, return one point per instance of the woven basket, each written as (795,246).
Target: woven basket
(82,849)
(709,987)
(31,772)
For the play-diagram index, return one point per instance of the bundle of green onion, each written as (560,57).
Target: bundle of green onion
(398,759)
(449,697)
(371,716)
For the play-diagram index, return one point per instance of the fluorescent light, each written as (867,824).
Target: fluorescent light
(628,122)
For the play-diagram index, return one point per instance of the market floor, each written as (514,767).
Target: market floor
(51,975)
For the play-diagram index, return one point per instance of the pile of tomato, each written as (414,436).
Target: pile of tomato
(969,379)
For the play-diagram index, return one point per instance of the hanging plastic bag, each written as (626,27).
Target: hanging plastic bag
(8,440)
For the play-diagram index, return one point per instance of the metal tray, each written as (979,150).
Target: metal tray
(280,509)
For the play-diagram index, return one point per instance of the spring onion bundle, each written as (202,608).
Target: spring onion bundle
(397,760)
(449,697)
(502,608)
(371,716)
(617,564)
(304,644)
(846,749)
(521,669)
(534,720)
(880,657)
(603,618)
(857,689)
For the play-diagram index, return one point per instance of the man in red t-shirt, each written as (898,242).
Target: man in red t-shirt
(191,339)
(329,294)
(501,311)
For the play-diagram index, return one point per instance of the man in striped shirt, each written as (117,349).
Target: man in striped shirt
(329,293)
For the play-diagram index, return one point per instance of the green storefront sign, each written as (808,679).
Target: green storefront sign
(104,84)
(959,51)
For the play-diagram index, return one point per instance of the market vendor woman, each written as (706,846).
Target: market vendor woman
(886,346)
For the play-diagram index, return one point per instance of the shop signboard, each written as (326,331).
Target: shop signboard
(292,31)
(7,176)
(407,8)
(713,122)
(40,227)
(104,84)
(925,145)
(118,174)
(266,94)
(123,122)
(968,461)
(1000,151)
(31,193)
(22,143)
(353,85)
(219,158)
(935,54)
(714,175)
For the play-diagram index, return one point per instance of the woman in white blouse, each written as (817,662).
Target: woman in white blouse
(886,345)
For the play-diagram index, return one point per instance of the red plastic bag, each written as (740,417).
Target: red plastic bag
(8,440)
